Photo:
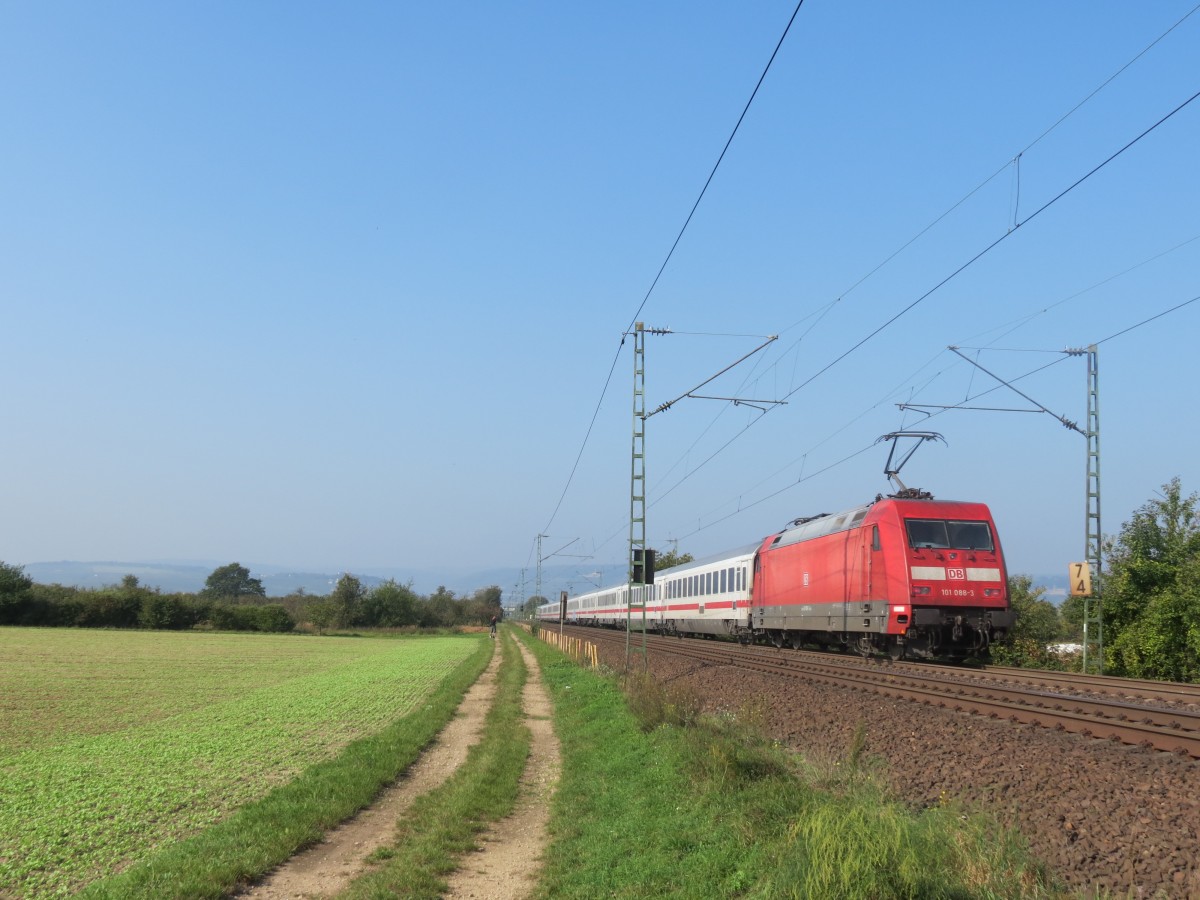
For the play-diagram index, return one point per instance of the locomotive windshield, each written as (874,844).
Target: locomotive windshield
(943,534)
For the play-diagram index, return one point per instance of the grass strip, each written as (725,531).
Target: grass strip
(263,834)
(671,803)
(443,824)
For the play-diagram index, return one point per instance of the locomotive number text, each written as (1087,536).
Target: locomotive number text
(957,592)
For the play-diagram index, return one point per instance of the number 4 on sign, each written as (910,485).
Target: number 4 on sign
(1081,579)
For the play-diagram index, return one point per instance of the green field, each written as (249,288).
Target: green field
(116,744)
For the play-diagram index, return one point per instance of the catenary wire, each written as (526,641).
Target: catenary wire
(1061,358)
(670,253)
(967,196)
(904,246)
(944,281)
(998,171)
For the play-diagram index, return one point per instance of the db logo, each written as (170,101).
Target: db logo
(956,574)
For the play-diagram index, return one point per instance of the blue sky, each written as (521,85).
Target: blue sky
(339,289)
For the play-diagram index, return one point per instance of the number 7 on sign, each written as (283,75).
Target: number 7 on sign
(1081,579)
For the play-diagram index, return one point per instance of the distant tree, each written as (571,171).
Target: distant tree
(322,614)
(1071,616)
(347,596)
(390,605)
(231,582)
(295,603)
(530,607)
(14,593)
(1037,617)
(484,604)
(1038,625)
(441,610)
(670,559)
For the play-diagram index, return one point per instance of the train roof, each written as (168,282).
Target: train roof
(807,527)
(747,550)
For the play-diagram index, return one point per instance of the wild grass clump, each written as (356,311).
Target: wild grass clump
(729,754)
(859,843)
(656,703)
(725,748)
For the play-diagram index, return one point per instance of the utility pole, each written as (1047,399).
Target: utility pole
(637,492)
(1093,619)
(641,558)
(537,583)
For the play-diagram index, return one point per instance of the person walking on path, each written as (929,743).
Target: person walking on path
(493,626)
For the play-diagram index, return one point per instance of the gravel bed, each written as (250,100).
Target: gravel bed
(1106,817)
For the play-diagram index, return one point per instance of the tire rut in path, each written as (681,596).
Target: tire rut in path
(327,868)
(506,867)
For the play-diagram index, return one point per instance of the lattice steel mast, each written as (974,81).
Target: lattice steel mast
(637,491)
(1093,622)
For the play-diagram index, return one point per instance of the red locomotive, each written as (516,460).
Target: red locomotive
(905,575)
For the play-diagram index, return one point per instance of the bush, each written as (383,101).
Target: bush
(109,608)
(14,593)
(272,617)
(165,612)
(224,617)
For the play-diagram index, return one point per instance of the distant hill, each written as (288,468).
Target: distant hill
(1057,586)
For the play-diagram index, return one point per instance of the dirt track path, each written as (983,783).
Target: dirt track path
(328,867)
(507,865)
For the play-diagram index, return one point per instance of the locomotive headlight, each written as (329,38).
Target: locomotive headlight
(921,590)
(991,592)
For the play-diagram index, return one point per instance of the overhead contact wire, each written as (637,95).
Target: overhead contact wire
(962,268)
(978,256)
(670,253)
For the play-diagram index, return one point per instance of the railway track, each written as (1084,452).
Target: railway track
(1150,714)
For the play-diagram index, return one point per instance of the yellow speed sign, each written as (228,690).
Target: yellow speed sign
(1081,579)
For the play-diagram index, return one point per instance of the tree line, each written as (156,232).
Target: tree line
(233,600)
